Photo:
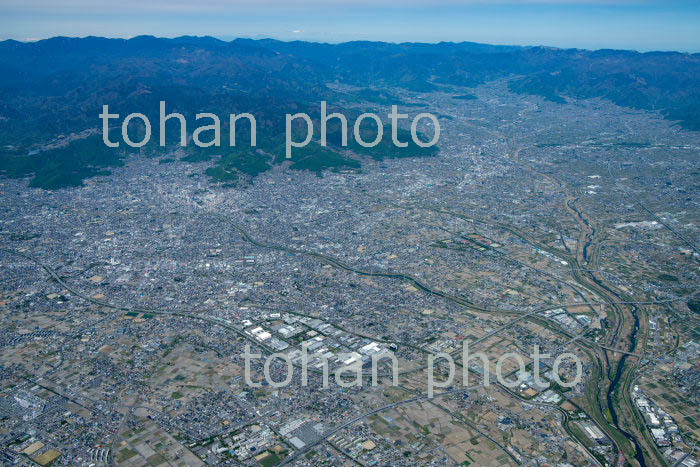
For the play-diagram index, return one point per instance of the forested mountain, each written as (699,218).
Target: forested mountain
(57,87)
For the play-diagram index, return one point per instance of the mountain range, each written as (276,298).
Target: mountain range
(56,87)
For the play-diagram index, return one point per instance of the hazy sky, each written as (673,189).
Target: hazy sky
(629,24)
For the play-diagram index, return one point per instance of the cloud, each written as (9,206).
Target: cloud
(222,6)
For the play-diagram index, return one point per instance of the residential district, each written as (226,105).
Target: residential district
(127,303)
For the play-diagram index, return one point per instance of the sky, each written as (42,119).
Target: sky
(592,24)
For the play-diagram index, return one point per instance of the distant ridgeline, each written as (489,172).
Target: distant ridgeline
(57,87)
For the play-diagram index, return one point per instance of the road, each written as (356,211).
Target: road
(383,408)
